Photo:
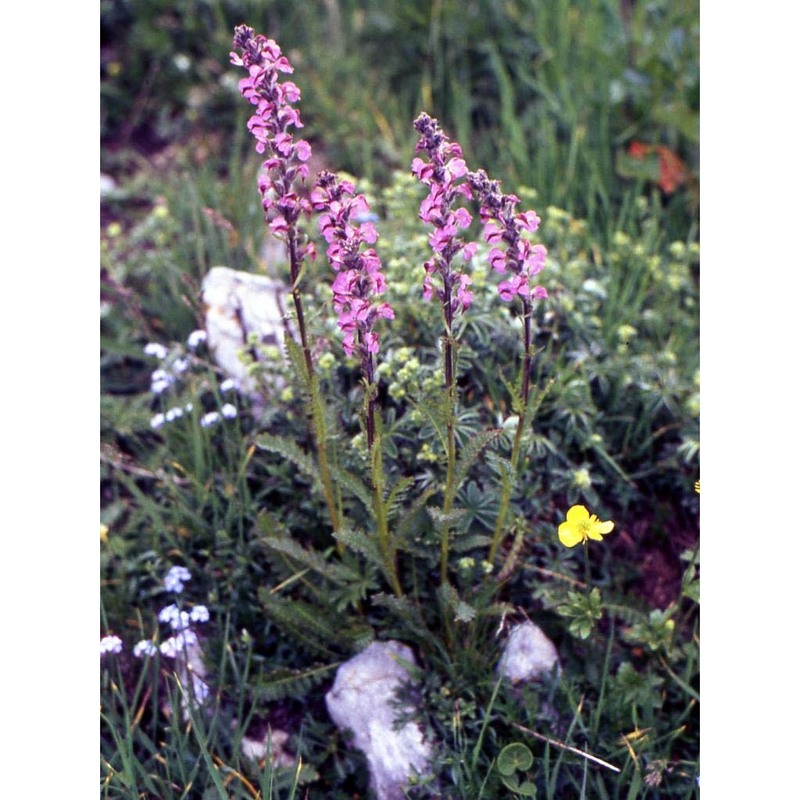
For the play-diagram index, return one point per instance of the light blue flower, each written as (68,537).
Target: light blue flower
(169,648)
(229,411)
(155,349)
(175,578)
(227,385)
(199,614)
(110,644)
(212,418)
(157,421)
(160,380)
(174,413)
(175,644)
(169,613)
(144,648)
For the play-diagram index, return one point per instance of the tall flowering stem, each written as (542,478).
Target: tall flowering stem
(442,171)
(286,164)
(345,226)
(514,255)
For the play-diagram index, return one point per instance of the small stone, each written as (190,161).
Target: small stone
(272,741)
(237,305)
(362,702)
(528,654)
(107,185)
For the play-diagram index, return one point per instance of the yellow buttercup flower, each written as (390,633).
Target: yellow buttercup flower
(581,526)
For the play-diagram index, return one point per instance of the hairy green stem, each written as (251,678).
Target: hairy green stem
(317,410)
(505,497)
(376,463)
(587,570)
(450,391)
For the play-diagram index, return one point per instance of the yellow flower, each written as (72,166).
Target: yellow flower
(580,527)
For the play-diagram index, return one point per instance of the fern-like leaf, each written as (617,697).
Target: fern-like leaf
(284,682)
(362,544)
(306,623)
(339,574)
(442,521)
(290,451)
(352,484)
(470,452)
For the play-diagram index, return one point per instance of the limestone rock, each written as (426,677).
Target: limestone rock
(238,304)
(361,701)
(527,654)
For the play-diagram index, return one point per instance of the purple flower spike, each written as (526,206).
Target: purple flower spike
(441,173)
(359,279)
(503,227)
(270,125)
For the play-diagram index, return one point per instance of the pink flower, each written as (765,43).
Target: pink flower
(503,227)
(445,165)
(359,279)
(271,125)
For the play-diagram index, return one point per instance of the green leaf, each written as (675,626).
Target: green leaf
(351,483)
(398,493)
(477,541)
(290,451)
(308,624)
(470,452)
(362,544)
(314,560)
(284,682)
(513,757)
(410,514)
(442,521)
(294,352)
(410,615)
(465,612)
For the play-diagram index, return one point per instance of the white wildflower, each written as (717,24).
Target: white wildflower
(110,644)
(144,648)
(195,339)
(175,578)
(155,349)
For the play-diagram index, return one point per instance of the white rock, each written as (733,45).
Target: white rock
(238,304)
(271,741)
(527,654)
(361,702)
(107,185)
